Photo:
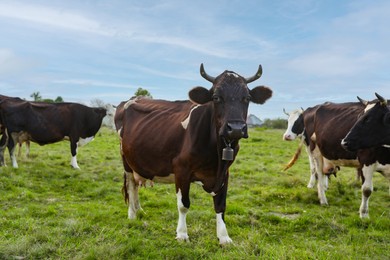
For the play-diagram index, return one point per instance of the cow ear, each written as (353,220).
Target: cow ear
(200,95)
(260,94)
(386,119)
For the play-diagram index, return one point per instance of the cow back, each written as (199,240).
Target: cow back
(153,134)
(332,122)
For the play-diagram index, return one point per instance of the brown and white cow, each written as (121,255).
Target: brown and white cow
(46,123)
(324,129)
(188,141)
(296,129)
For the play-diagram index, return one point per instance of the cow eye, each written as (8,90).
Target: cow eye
(246,99)
(216,99)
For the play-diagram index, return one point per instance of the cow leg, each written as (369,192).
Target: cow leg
(20,150)
(183,205)
(11,149)
(313,174)
(27,149)
(367,189)
(3,145)
(73,150)
(220,206)
(132,193)
(322,178)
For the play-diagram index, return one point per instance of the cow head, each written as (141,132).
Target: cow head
(295,125)
(372,129)
(230,97)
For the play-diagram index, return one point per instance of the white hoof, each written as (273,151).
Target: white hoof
(182,237)
(225,240)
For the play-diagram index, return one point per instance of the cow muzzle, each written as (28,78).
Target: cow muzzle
(236,131)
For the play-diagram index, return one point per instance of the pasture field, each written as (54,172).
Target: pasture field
(50,211)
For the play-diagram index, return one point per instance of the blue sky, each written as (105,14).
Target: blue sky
(311,51)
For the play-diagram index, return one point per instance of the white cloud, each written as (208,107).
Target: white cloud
(93,83)
(52,17)
(11,63)
(333,63)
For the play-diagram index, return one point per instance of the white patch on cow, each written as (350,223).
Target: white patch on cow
(84,141)
(232,74)
(386,146)
(367,189)
(186,121)
(181,230)
(13,158)
(322,179)
(222,233)
(168,179)
(368,107)
(313,173)
(132,190)
(289,135)
(73,162)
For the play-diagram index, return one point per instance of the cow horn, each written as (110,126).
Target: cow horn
(205,75)
(381,99)
(364,102)
(284,111)
(256,76)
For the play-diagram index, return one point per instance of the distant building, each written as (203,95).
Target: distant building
(253,121)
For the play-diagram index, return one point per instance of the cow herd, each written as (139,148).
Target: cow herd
(197,140)
(347,134)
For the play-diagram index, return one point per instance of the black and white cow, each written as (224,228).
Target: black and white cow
(372,129)
(46,123)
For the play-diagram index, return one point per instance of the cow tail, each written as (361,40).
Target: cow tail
(124,188)
(295,157)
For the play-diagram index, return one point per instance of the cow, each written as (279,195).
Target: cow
(296,129)
(46,123)
(325,129)
(182,142)
(372,129)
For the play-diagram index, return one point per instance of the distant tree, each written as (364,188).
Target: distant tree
(275,123)
(142,92)
(97,103)
(36,96)
(59,99)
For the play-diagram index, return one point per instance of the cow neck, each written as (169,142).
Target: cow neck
(223,166)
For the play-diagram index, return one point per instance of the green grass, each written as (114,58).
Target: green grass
(50,211)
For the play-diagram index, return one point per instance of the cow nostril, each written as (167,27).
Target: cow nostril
(236,130)
(229,128)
